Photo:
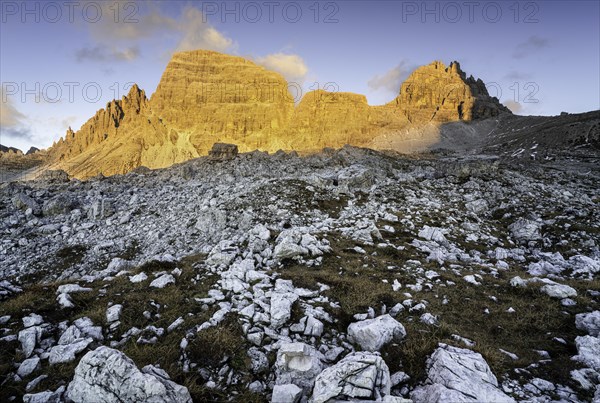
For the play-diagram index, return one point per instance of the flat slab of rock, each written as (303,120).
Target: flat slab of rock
(359,375)
(458,375)
(32,320)
(113,313)
(432,234)
(108,375)
(288,393)
(373,334)
(559,291)
(298,364)
(63,353)
(163,281)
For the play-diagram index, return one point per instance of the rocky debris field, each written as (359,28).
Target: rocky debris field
(344,275)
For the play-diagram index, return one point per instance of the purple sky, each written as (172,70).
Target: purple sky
(59,64)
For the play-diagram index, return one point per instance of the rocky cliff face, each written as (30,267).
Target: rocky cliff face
(104,125)
(205,97)
(124,135)
(213,97)
(436,93)
(328,119)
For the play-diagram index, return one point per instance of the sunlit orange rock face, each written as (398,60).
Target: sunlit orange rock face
(124,135)
(213,97)
(436,93)
(206,97)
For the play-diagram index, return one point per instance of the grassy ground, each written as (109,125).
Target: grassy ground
(209,348)
(357,281)
(360,281)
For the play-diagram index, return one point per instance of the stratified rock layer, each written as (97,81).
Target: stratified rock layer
(215,97)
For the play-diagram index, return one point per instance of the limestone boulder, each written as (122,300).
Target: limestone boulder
(107,375)
(373,334)
(361,375)
(458,375)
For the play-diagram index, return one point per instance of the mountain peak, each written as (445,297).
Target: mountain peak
(205,97)
(438,93)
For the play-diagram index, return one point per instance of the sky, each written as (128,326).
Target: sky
(61,61)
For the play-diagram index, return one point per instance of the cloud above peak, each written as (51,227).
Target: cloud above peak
(197,34)
(392,79)
(291,66)
(119,39)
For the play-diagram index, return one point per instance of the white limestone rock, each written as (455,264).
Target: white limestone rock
(116,265)
(588,351)
(589,322)
(559,291)
(71,288)
(28,367)
(87,329)
(65,301)
(477,206)
(175,324)
(360,375)
(433,234)
(525,230)
(113,313)
(288,393)
(29,338)
(33,319)
(314,327)
(298,363)
(584,266)
(282,300)
(429,319)
(222,254)
(63,353)
(163,281)
(373,334)
(108,375)
(259,362)
(288,245)
(458,375)
(45,397)
(138,278)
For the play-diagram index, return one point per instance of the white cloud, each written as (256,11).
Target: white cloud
(198,34)
(515,107)
(291,66)
(118,39)
(392,79)
(12,122)
(9,115)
